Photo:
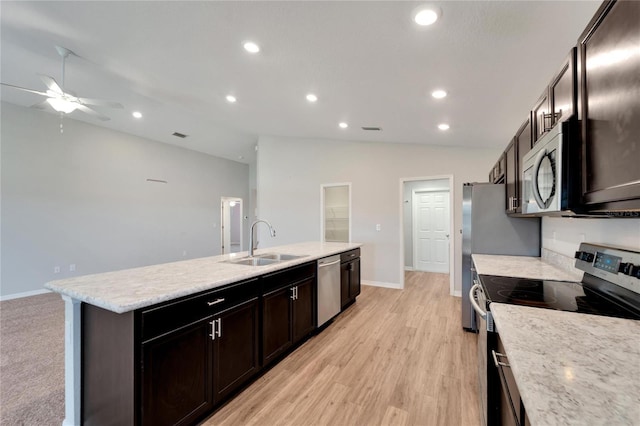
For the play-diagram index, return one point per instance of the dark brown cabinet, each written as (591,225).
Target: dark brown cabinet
(609,74)
(563,96)
(173,363)
(496,175)
(541,116)
(511,177)
(349,277)
(177,376)
(288,309)
(514,154)
(235,334)
(276,323)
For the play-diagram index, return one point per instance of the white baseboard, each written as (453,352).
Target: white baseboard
(382,284)
(25,294)
(408,268)
(457,293)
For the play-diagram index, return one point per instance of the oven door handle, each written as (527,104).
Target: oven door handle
(474,303)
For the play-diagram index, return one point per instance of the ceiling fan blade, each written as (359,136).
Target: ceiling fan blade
(40,105)
(25,89)
(100,102)
(89,111)
(51,83)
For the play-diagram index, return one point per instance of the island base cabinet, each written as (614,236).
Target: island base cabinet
(176,376)
(108,367)
(276,320)
(303,309)
(235,348)
(349,277)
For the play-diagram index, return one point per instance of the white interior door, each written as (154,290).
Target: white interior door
(231,225)
(431,231)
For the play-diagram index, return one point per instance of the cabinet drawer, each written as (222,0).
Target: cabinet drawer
(166,317)
(349,255)
(288,276)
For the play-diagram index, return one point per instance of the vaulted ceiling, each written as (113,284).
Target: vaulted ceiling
(368,63)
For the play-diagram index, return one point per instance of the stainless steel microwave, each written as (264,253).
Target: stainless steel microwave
(551,172)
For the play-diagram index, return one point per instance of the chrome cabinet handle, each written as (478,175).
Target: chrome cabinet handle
(215,302)
(293,293)
(219,327)
(216,328)
(495,359)
(474,303)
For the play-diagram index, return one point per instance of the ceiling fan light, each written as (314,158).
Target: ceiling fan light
(62,105)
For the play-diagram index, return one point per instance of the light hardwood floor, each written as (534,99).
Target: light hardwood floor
(394,358)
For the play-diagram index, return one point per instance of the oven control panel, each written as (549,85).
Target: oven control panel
(617,265)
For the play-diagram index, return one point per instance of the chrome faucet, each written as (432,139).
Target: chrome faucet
(253,225)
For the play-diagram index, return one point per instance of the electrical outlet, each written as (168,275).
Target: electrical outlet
(184,253)
(72,267)
(56,269)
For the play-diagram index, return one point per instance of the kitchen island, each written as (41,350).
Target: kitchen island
(119,312)
(572,368)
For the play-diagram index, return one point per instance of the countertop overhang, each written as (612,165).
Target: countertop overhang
(129,289)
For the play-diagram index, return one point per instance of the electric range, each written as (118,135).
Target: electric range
(610,286)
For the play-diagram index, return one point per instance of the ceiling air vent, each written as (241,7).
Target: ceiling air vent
(375,129)
(179,135)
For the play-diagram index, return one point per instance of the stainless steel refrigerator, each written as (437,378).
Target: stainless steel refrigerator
(486,229)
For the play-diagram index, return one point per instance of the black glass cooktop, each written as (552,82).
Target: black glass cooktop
(558,295)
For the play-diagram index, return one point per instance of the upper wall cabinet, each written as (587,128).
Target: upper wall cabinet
(563,97)
(609,72)
(542,119)
(516,150)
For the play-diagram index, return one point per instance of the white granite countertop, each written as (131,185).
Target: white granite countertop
(521,267)
(130,289)
(570,368)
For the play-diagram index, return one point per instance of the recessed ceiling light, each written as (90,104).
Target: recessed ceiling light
(251,47)
(231,98)
(443,126)
(426,16)
(439,94)
(311,97)
(137,114)
(343,125)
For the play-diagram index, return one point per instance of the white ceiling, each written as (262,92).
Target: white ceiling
(369,64)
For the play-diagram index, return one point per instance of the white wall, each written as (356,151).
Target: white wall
(82,198)
(564,235)
(290,172)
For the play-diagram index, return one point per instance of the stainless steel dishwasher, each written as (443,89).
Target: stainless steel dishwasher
(328,288)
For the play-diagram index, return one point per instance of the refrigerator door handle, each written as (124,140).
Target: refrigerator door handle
(474,303)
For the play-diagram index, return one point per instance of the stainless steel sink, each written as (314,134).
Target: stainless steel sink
(280,257)
(252,261)
(264,259)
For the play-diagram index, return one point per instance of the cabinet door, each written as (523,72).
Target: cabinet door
(562,91)
(610,111)
(276,323)
(541,116)
(510,177)
(235,348)
(303,309)
(523,144)
(354,278)
(176,376)
(344,284)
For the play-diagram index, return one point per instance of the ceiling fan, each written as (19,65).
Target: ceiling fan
(66,101)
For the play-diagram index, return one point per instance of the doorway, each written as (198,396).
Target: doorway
(336,212)
(430,220)
(231,225)
(426,221)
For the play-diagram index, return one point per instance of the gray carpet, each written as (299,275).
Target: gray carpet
(32,361)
